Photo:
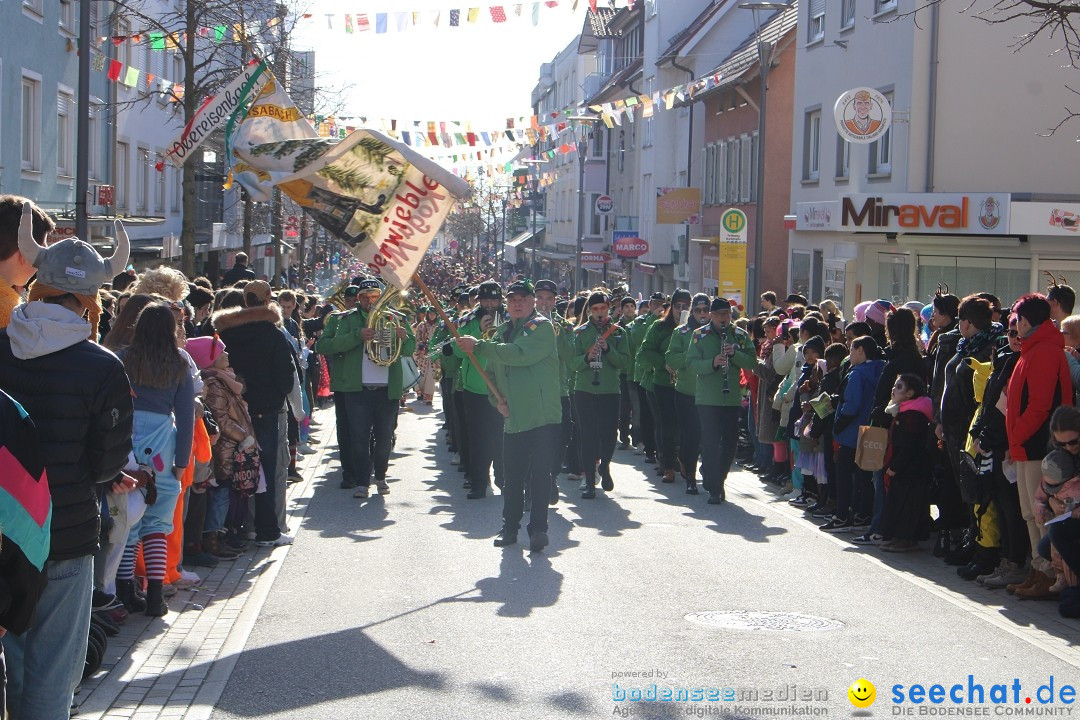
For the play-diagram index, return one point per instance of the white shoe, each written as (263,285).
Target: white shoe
(187,579)
(282,539)
(305,449)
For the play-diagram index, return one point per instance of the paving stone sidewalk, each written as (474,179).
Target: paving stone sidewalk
(177,666)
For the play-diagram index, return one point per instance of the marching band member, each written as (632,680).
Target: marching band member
(600,352)
(717,351)
(659,381)
(485,435)
(546,298)
(645,430)
(685,390)
(524,358)
(627,314)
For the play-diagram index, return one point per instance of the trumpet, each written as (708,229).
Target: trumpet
(498,317)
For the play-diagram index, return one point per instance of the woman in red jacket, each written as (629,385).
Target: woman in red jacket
(1039,384)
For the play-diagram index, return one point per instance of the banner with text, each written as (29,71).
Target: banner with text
(678,206)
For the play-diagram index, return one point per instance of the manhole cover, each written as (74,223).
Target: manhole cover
(760,620)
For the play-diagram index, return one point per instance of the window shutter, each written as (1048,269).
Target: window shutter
(721,172)
(817,7)
(746,156)
(706,154)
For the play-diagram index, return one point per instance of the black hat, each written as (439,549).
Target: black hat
(357,280)
(351,291)
(490,290)
(658,296)
(474,290)
(597,298)
(628,301)
(680,295)
(720,304)
(815,343)
(199,296)
(796,299)
(548,285)
(699,299)
(561,305)
(368,284)
(521,287)
(463,298)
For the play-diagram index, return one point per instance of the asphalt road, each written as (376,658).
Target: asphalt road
(401,607)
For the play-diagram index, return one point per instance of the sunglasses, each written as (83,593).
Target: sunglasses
(1067,443)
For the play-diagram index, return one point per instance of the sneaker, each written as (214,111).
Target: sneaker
(383,488)
(102,601)
(201,559)
(294,476)
(187,579)
(1010,573)
(981,579)
(799,501)
(361,492)
(282,539)
(305,449)
(836,525)
(639,449)
(822,512)
(868,539)
(860,523)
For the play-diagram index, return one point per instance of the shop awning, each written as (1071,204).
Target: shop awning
(524,238)
(555,255)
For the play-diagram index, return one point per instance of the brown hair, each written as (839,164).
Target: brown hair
(11,215)
(152,359)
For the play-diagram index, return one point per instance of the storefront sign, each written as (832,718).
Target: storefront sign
(627,244)
(862,115)
(934,213)
(818,215)
(594,258)
(1040,218)
(604,204)
(678,206)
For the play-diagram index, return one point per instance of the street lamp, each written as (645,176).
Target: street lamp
(584,125)
(764,61)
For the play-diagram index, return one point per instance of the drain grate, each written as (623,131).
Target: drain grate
(764,620)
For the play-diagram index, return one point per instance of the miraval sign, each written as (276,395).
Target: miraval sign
(924,213)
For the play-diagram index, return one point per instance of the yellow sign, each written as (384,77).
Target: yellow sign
(731,270)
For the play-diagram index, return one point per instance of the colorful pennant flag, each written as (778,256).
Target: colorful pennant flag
(498,14)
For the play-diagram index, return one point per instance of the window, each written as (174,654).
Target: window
(178,188)
(158,178)
(597,225)
(800,272)
(881,152)
(596,147)
(142,179)
(650,8)
(816,24)
(123,50)
(67,16)
(93,155)
(121,179)
(881,6)
(847,14)
(747,149)
(34,6)
(648,136)
(31,123)
(812,145)
(843,158)
(65,134)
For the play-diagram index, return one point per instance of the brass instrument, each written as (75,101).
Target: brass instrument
(498,317)
(386,318)
(337,298)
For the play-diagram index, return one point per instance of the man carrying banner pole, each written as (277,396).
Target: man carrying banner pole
(525,359)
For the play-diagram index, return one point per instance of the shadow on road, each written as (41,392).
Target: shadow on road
(521,585)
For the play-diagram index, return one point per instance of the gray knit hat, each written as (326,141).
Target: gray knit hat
(72,265)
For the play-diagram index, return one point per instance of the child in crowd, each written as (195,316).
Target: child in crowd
(906,518)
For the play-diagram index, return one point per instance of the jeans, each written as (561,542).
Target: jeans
(266,435)
(485,441)
(689,434)
(853,486)
(217,508)
(371,415)
(524,459)
(719,440)
(667,425)
(45,663)
(599,415)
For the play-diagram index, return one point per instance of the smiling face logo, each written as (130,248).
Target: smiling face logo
(862,693)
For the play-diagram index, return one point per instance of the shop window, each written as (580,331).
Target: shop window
(1008,278)
(800,272)
(893,269)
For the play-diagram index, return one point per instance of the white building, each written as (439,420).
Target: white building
(948,196)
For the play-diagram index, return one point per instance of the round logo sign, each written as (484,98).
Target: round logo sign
(862,115)
(630,247)
(734,221)
(604,204)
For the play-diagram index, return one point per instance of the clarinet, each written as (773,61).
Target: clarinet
(726,336)
(598,364)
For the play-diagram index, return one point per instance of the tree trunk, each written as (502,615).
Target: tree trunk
(187,226)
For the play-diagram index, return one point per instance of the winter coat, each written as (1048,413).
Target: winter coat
(943,344)
(856,401)
(236,273)
(768,382)
(989,425)
(958,404)
(908,455)
(78,395)
(223,395)
(898,361)
(1039,384)
(260,355)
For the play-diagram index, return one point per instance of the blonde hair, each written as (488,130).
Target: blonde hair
(164,281)
(1071,325)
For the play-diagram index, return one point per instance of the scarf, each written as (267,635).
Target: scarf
(226,376)
(91,303)
(974,345)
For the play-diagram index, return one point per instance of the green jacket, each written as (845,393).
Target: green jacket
(342,343)
(706,345)
(564,333)
(471,381)
(451,364)
(638,328)
(675,357)
(628,371)
(525,369)
(651,356)
(614,359)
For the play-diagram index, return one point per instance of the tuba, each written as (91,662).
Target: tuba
(386,319)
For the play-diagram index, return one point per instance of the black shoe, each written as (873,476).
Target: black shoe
(155,602)
(650,459)
(961,555)
(715,499)
(201,559)
(606,482)
(554,498)
(974,569)
(102,601)
(347,485)
(505,538)
(125,591)
(836,525)
(589,492)
(691,488)
(538,542)
(476,494)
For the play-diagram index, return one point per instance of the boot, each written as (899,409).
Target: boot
(669,476)
(125,592)
(211,543)
(691,487)
(983,562)
(780,475)
(1040,589)
(155,601)
(589,491)
(961,547)
(1032,576)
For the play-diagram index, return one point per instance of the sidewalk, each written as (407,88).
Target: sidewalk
(177,666)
